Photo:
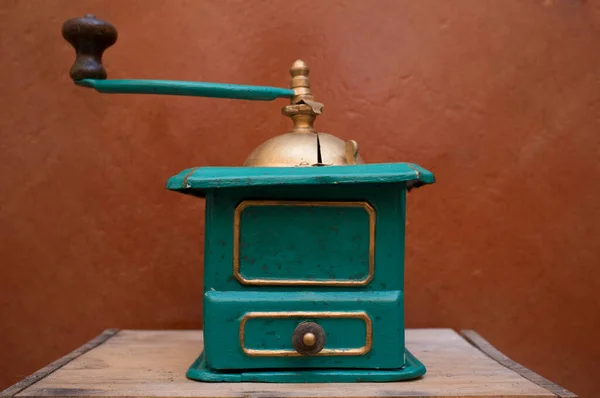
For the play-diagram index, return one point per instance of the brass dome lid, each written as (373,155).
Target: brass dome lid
(303,145)
(304,149)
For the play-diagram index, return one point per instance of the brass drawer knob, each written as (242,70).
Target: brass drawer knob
(308,338)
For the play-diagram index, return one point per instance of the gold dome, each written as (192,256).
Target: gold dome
(304,149)
(303,145)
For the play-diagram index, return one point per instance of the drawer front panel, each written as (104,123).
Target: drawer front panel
(267,334)
(304,243)
(249,330)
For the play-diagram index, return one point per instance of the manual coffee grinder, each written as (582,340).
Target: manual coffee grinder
(304,243)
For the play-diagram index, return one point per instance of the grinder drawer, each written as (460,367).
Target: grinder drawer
(249,330)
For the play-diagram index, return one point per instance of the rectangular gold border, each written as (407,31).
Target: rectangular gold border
(309,314)
(300,282)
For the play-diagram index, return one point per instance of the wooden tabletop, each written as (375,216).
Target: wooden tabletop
(136,363)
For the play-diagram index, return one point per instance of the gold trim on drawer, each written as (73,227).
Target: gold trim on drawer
(308,315)
(301,282)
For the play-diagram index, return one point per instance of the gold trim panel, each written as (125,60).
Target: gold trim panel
(308,315)
(301,282)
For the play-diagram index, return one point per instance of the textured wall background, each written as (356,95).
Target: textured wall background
(501,99)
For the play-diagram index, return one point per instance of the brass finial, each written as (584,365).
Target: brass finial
(300,83)
(303,109)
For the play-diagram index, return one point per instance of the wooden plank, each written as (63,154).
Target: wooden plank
(482,344)
(153,364)
(54,366)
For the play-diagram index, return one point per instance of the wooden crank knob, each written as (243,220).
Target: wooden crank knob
(309,338)
(90,37)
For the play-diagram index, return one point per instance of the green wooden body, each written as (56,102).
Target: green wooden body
(286,245)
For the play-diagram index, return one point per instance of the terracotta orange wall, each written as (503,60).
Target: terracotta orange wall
(501,99)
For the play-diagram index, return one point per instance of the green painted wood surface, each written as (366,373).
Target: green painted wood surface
(322,243)
(200,371)
(198,181)
(224,311)
(387,200)
(196,89)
